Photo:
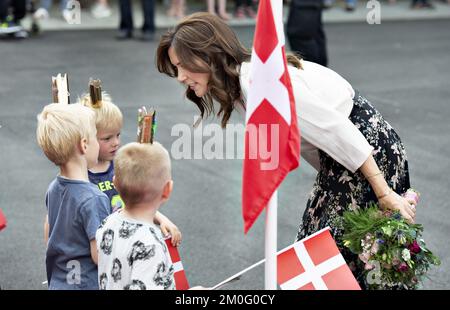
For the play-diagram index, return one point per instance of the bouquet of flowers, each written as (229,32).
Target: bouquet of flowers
(390,250)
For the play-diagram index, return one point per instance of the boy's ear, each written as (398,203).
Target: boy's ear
(167,190)
(83,145)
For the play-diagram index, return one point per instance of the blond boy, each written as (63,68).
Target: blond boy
(131,248)
(67,135)
(109,122)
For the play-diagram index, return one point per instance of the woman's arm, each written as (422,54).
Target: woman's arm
(387,198)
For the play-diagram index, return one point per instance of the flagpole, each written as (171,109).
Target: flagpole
(270,267)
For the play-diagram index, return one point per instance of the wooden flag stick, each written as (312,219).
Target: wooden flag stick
(270,268)
(237,275)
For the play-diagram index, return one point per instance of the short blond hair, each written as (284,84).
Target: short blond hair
(61,127)
(108,115)
(141,171)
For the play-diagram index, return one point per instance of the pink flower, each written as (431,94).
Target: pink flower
(374,249)
(412,195)
(414,247)
(364,257)
(387,213)
(369,266)
(403,267)
(395,261)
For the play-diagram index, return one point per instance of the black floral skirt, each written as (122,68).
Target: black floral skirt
(337,189)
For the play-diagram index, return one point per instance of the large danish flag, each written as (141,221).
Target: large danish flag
(270,105)
(2,220)
(314,263)
(181,282)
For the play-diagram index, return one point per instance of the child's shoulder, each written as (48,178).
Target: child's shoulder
(77,191)
(86,190)
(130,229)
(111,222)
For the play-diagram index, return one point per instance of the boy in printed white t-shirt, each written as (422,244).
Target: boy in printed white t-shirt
(132,253)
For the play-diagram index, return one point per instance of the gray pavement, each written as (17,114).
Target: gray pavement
(399,11)
(403,67)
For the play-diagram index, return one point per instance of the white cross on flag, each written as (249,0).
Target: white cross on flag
(2,220)
(271,120)
(314,263)
(181,282)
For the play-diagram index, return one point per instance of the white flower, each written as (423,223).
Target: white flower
(345,177)
(395,149)
(374,121)
(406,255)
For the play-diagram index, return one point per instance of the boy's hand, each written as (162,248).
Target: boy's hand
(169,228)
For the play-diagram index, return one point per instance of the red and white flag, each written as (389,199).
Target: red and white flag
(181,282)
(272,138)
(2,220)
(314,263)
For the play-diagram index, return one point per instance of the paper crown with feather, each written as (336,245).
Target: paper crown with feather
(95,92)
(60,89)
(146,125)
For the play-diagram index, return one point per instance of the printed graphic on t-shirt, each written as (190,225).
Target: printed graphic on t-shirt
(108,188)
(153,232)
(128,229)
(107,241)
(135,285)
(116,272)
(105,186)
(140,251)
(161,278)
(103,180)
(102,223)
(116,203)
(103,280)
(132,256)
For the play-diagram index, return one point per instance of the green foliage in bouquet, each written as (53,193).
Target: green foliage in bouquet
(391,251)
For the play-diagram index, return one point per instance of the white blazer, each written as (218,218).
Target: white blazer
(324,101)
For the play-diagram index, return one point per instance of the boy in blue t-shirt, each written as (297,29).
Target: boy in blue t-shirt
(76,207)
(109,121)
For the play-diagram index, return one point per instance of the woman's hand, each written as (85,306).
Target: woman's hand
(387,198)
(393,201)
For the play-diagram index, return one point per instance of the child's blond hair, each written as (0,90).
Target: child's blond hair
(61,127)
(141,171)
(108,115)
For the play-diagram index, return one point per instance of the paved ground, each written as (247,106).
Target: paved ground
(403,67)
(336,14)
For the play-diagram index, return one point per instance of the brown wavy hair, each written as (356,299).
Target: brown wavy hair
(206,44)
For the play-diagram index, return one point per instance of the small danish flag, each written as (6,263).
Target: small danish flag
(2,220)
(181,282)
(314,263)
